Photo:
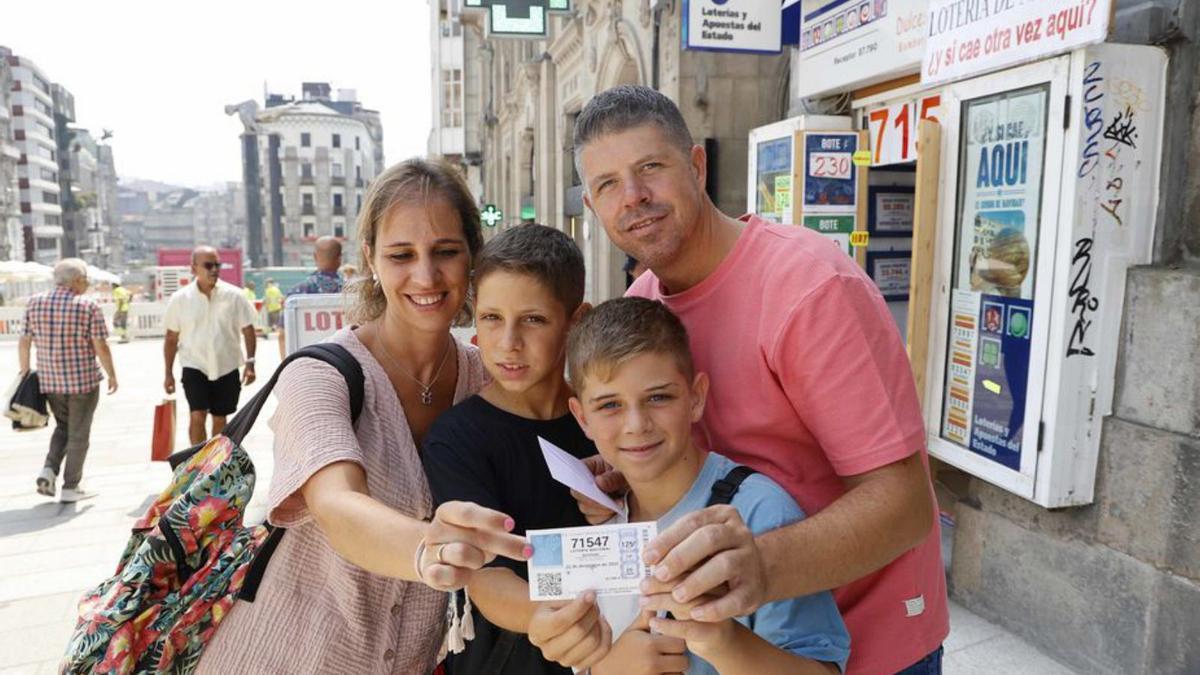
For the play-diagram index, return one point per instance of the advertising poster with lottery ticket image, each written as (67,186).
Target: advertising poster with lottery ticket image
(773,184)
(992,304)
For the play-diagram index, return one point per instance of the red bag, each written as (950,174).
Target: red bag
(162,443)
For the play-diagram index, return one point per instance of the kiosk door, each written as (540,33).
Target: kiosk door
(1003,159)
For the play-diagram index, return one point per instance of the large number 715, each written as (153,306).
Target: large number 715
(892,129)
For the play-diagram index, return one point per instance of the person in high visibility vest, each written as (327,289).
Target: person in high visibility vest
(248,291)
(273,301)
(121,299)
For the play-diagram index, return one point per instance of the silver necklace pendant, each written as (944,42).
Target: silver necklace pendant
(427,397)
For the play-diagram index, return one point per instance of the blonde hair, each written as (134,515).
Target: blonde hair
(417,179)
(617,331)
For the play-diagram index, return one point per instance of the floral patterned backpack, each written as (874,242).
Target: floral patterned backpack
(190,556)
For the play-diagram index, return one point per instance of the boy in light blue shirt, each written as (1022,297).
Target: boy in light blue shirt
(637,396)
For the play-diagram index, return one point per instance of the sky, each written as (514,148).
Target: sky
(159,74)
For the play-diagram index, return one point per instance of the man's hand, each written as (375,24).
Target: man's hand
(112,384)
(610,481)
(710,551)
(572,634)
(169,383)
(248,375)
(637,652)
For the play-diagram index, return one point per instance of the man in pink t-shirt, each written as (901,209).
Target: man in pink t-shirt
(810,385)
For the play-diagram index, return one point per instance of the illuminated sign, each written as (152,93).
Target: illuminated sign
(518,18)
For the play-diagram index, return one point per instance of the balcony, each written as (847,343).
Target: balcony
(337,180)
(307,210)
(306,180)
(339,210)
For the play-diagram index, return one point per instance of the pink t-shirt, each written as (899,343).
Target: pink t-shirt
(811,382)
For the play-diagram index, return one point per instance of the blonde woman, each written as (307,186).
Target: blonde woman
(355,586)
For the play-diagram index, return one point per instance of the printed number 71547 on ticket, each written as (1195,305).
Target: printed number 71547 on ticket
(604,558)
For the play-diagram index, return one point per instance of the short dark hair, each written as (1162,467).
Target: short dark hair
(627,106)
(618,330)
(544,253)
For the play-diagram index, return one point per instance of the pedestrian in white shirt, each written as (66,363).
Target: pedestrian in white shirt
(203,320)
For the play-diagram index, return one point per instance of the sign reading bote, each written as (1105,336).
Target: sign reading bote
(733,25)
(969,37)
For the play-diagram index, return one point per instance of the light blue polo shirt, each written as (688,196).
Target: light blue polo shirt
(809,626)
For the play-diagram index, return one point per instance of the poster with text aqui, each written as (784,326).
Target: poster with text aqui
(992,305)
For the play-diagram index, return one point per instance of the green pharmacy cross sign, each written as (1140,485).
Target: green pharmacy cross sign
(518,18)
(491,215)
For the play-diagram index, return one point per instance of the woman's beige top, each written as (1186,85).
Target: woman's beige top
(316,612)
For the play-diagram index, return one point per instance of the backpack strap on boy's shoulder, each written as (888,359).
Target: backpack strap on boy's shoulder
(724,489)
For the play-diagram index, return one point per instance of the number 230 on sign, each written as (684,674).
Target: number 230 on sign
(830,165)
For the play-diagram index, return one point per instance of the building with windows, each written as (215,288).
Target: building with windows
(156,215)
(11,247)
(519,99)
(65,178)
(450,136)
(89,215)
(31,107)
(316,156)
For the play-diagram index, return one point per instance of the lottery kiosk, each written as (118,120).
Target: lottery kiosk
(1044,193)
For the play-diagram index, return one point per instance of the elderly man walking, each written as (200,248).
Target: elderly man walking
(69,333)
(203,320)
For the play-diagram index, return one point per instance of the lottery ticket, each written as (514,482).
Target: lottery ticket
(604,558)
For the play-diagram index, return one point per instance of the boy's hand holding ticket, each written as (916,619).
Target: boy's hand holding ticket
(603,558)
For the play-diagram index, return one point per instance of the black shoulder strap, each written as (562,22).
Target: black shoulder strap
(333,354)
(336,356)
(724,489)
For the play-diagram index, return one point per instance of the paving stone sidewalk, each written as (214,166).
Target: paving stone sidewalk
(51,552)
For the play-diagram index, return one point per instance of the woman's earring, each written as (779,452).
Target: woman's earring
(375,280)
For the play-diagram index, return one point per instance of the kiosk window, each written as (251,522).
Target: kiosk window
(773,183)
(1000,182)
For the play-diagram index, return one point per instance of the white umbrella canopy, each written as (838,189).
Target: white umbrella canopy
(95,274)
(18,270)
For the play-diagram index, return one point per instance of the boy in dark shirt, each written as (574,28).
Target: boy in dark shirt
(528,293)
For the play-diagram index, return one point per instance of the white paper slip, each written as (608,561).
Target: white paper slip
(572,472)
(605,558)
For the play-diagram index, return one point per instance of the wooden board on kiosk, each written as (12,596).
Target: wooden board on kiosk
(925,219)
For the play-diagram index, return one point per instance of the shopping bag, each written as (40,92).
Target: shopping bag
(163,441)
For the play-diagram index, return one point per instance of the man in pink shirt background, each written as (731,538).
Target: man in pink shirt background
(810,385)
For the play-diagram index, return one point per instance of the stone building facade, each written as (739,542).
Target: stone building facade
(316,155)
(521,97)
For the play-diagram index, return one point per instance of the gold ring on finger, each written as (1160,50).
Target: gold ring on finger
(438,554)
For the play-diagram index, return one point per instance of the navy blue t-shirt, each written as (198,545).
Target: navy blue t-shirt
(479,453)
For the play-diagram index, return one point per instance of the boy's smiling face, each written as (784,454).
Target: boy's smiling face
(522,331)
(641,417)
